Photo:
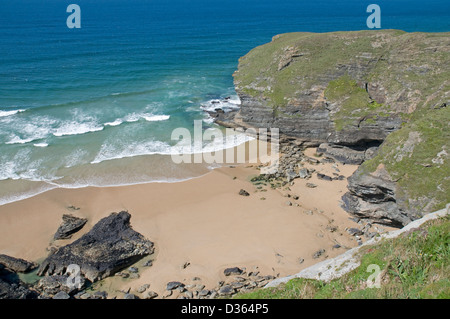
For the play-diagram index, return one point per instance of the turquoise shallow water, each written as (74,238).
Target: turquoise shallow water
(96,105)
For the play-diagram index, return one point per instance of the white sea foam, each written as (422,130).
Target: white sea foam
(28,130)
(114,123)
(111,152)
(228,104)
(208,119)
(40,144)
(77,157)
(75,128)
(18,140)
(156,118)
(40,127)
(134,117)
(20,167)
(9,113)
(8,170)
(229,141)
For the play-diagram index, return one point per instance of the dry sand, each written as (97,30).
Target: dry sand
(202,221)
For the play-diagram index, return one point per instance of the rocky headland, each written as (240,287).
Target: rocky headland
(378,99)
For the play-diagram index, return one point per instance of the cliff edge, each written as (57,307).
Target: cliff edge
(346,92)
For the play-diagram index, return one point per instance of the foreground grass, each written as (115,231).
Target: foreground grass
(415,265)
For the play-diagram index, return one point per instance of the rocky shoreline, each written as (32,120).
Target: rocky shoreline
(111,245)
(348,100)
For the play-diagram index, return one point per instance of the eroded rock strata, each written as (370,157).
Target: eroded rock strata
(347,92)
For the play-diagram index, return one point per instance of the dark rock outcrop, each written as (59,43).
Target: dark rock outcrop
(108,247)
(318,253)
(233,271)
(69,226)
(15,290)
(324,177)
(243,192)
(17,264)
(11,287)
(226,290)
(52,285)
(174,285)
(348,155)
(373,196)
(61,295)
(312,124)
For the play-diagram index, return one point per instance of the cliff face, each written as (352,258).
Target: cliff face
(345,88)
(347,91)
(410,174)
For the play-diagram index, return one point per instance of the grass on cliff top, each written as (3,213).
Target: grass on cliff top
(418,157)
(415,265)
(319,53)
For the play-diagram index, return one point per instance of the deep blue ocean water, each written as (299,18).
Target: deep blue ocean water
(96,105)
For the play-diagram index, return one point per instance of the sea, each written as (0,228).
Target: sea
(97,105)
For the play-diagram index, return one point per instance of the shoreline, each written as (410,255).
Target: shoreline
(101,186)
(119,172)
(202,222)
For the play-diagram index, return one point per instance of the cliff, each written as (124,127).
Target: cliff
(346,92)
(409,176)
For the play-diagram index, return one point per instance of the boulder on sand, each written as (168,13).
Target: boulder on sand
(69,226)
(17,264)
(108,247)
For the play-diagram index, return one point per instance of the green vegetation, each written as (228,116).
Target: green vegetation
(355,102)
(312,55)
(418,157)
(414,265)
(410,70)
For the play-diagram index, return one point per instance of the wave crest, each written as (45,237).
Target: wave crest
(9,113)
(74,128)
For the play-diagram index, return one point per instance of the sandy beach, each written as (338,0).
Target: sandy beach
(199,226)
